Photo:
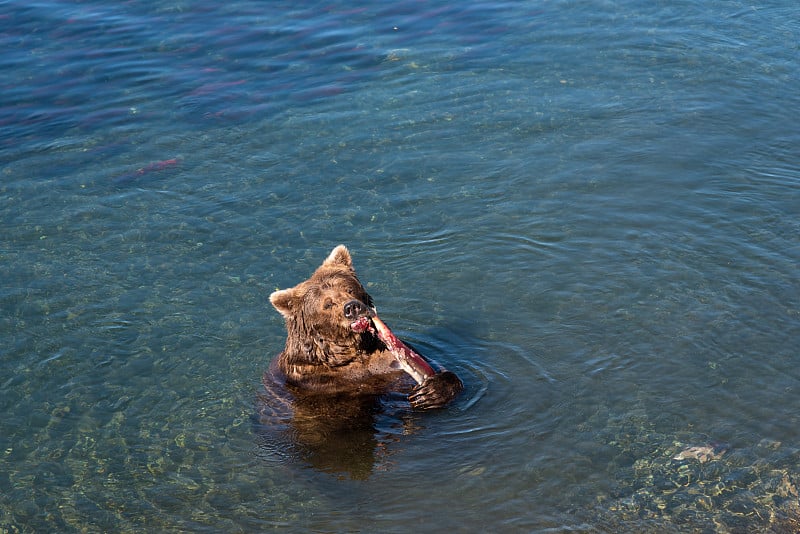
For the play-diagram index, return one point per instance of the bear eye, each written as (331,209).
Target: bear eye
(328,304)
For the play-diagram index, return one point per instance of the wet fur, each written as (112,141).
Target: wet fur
(323,355)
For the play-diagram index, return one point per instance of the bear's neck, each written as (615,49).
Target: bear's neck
(308,347)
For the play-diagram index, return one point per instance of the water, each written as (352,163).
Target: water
(588,211)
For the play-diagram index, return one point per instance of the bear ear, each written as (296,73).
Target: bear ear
(340,256)
(284,301)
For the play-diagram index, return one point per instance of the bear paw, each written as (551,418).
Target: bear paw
(435,391)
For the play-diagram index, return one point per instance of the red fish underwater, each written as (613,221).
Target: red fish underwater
(156,166)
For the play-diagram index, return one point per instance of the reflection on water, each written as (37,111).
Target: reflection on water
(588,212)
(345,435)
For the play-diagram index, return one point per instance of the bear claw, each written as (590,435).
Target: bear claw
(435,391)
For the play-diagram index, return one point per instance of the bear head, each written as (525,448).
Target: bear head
(320,314)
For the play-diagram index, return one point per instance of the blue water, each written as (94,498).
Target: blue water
(589,211)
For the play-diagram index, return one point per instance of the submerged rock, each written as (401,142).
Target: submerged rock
(702,453)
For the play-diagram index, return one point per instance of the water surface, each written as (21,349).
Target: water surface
(588,211)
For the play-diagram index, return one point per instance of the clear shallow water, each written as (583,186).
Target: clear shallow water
(587,211)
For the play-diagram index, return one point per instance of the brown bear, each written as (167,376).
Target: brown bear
(325,355)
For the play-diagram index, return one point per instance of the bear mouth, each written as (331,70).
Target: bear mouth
(362,324)
(359,315)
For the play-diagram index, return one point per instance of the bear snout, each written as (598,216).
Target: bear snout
(354,309)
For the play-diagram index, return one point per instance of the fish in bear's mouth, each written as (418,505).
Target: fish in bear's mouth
(411,362)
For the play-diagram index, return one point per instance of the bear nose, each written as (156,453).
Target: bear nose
(354,309)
